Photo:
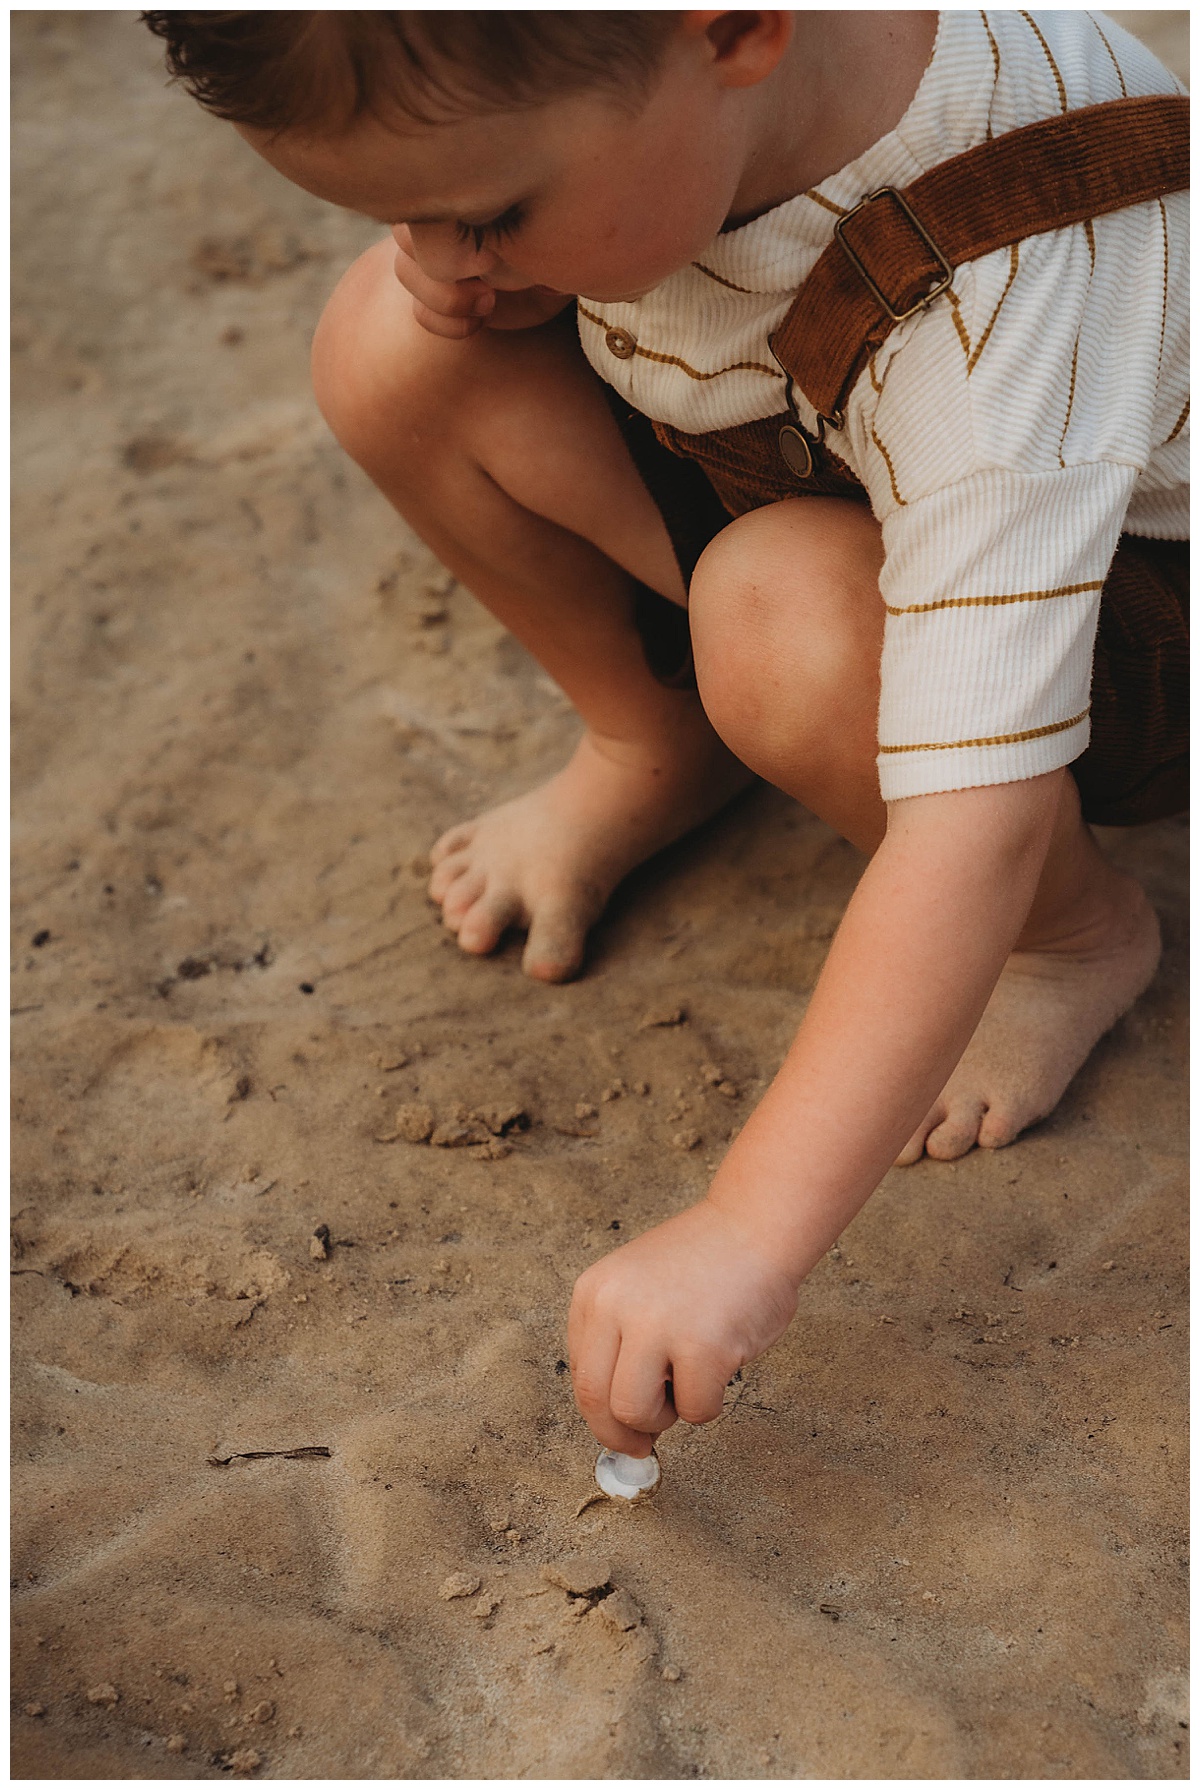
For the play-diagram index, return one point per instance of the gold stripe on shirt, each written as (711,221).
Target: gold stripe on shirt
(1058,80)
(891,471)
(1019,596)
(1183,417)
(1062,440)
(673,360)
(1075,351)
(720,278)
(1109,48)
(1014,260)
(839,211)
(996,739)
(996,66)
(1162,331)
(959,325)
(737,366)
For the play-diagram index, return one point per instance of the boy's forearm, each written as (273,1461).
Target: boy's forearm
(908,976)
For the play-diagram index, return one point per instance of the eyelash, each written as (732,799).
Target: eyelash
(506,224)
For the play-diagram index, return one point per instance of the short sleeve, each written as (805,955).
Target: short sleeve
(986,677)
(1002,437)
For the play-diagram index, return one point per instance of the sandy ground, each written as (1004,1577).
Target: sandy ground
(939,1530)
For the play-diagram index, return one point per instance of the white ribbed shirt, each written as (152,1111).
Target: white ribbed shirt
(1005,436)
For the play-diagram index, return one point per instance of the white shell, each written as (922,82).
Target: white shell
(623,1476)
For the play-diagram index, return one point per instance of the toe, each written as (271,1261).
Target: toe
(445,871)
(454,839)
(461,896)
(1000,1126)
(957,1132)
(554,949)
(914,1149)
(482,928)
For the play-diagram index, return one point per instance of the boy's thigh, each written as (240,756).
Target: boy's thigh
(522,405)
(549,438)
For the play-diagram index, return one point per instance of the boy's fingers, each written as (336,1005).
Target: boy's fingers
(464,298)
(456,328)
(593,1355)
(638,1397)
(594,1349)
(619,1436)
(449,298)
(699,1391)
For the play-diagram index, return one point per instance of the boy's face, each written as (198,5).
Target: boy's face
(576,195)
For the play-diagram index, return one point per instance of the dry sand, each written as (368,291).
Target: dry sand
(938,1532)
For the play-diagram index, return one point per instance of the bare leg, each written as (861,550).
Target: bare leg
(503,456)
(788,626)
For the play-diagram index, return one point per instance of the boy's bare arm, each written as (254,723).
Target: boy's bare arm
(910,971)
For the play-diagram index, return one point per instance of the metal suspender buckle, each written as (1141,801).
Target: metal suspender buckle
(939,286)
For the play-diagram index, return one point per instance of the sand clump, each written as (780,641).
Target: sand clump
(415,1122)
(459,1584)
(578,1576)
(247,700)
(485,1131)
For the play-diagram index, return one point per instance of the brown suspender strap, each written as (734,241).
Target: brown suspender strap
(897,250)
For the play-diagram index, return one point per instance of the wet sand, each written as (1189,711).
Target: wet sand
(939,1530)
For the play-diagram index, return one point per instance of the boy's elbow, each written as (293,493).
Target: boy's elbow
(1005,825)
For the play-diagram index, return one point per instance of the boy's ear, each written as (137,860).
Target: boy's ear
(745,46)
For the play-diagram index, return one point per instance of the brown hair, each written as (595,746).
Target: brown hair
(281,70)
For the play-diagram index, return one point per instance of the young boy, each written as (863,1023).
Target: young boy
(1004,467)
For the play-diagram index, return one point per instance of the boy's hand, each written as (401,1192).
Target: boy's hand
(658,1328)
(457,308)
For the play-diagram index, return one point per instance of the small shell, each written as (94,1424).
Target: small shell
(623,1476)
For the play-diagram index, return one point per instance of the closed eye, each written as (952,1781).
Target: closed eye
(495,230)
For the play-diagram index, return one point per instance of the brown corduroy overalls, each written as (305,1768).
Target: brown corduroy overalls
(891,256)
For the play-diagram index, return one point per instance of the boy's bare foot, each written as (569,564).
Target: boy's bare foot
(1049,1009)
(550,860)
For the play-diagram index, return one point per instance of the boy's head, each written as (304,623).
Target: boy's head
(282,71)
(593,153)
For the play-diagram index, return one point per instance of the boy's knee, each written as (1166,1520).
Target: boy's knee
(725,620)
(341,345)
(785,612)
(372,364)
(750,586)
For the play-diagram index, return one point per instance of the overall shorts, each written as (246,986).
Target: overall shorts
(892,256)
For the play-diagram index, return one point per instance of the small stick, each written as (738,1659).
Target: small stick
(271,1454)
